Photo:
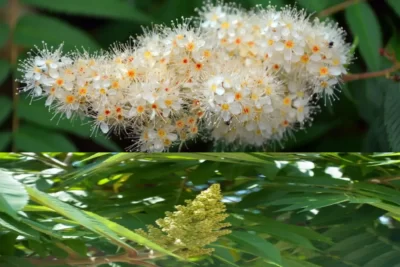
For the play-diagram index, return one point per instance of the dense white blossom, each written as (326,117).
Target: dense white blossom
(236,76)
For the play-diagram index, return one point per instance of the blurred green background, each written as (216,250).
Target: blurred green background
(365,118)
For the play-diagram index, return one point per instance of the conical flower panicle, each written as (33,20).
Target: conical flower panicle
(243,78)
(193,226)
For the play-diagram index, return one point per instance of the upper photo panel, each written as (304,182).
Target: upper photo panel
(200,76)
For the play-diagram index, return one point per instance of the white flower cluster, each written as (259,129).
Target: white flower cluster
(241,77)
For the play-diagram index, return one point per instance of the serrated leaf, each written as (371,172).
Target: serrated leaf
(5,108)
(256,245)
(366,251)
(35,139)
(114,9)
(392,116)
(4,33)
(27,33)
(352,243)
(13,196)
(4,70)
(368,31)
(386,259)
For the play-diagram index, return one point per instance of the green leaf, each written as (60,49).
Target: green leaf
(93,222)
(365,251)
(395,4)
(309,135)
(224,255)
(77,245)
(5,108)
(13,196)
(368,31)
(308,203)
(278,3)
(386,259)
(45,118)
(122,231)
(4,70)
(14,262)
(317,6)
(392,116)
(4,32)
(352,243)
(35,139)
(3,3)
(5,138)
(114,9)
(27,33)
(256,245)
(18,227)
(7,243)
(203,172)
(103,141)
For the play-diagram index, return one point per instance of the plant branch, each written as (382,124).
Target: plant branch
(125,258)
(337,8)
(369,75)
(13,12)
(47,160)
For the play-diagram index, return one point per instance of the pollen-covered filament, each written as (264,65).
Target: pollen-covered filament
(70,99)
(140,109)
(82,91)
(289,44)
(225,107)
(323,71)
(60,82)
(242,77)
(162,133)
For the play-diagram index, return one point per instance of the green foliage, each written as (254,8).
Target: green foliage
(115,9)
(13,196)
(57,32)
(364,29)
(4,32)
(392,113)
(4,69)
(317,6)
(280,214)
(30,138)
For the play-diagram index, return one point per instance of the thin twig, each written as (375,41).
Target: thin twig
(369,75)
(72,253)
(13,12)
(337,8)
(126,258)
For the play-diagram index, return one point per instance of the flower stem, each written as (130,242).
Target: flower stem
(337,8)
(369,75)
(13,9)
(125,258)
